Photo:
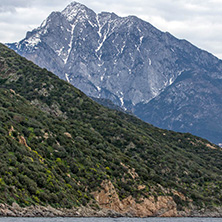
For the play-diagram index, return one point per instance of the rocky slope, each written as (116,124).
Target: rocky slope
(129,61)
(60,148)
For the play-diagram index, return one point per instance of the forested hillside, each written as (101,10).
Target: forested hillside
(58,146)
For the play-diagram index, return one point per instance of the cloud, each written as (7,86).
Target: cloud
(197,21)
(11,5)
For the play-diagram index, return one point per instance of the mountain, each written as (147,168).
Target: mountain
(60,148)
(130,62)
(192,103)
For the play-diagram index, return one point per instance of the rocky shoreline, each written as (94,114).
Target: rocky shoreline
(41,211)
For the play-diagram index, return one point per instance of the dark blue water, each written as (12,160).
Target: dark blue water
(60,219)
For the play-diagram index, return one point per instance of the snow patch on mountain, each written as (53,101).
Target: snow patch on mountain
(67,77)
(59,51)
(33,41)
(70,43)
(150,62)
(72,10)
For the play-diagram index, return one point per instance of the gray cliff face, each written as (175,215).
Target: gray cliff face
(130,62)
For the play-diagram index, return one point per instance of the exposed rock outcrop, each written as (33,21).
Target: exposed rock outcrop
(161,206)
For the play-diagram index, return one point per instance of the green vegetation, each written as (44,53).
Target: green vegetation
(57,146)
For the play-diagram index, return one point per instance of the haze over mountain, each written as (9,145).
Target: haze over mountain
(130,62)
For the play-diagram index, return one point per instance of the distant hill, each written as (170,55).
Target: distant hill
(60,148)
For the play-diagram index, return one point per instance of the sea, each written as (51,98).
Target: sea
(96,219)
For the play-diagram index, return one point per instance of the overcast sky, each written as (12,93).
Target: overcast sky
(198,21)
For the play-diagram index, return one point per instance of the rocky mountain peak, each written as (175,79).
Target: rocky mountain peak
(76,9)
